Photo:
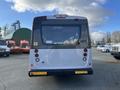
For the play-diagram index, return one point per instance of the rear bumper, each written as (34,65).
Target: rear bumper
(15,51)
(25,50)
(4,53)
(57,72)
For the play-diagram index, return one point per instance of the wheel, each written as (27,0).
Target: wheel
(117,57)
(7,55)
(107,50)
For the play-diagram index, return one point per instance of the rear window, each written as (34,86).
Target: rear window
(60,34)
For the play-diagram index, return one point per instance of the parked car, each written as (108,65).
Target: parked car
(116,51)
(107,48)
(100,47)
(13,48)
(4,49)
(104,48)
(24,45)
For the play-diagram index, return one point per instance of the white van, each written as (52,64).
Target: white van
(116,51)
(4,50)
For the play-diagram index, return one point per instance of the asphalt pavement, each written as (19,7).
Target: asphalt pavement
(14,75)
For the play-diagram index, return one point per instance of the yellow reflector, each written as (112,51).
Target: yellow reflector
(38,73)
(81,72)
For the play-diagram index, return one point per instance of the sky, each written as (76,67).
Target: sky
(103,15)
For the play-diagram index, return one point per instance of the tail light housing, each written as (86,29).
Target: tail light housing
(36,55)
(37,59)
(85,50)
(85,54)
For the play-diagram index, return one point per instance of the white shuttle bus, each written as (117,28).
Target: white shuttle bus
(60,45)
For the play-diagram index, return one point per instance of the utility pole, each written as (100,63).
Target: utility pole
(0,33)
(5,30)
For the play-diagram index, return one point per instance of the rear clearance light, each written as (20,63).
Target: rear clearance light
(38,73)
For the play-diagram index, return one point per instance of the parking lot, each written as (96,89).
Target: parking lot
(14,75)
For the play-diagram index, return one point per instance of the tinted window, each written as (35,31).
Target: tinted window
(60,34)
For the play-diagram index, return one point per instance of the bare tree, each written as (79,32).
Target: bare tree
(0,33)
(108,37)
(116,37)
(5,29)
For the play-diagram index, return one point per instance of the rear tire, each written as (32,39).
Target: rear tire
(107,51)
(7,55)
(117,57)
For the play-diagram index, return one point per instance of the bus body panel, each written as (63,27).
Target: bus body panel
(60,59)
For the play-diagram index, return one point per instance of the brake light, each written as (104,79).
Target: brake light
(36,50)
(36,55)
(85,54)
(85,50)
